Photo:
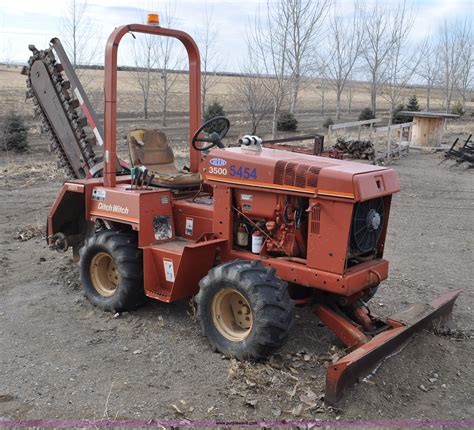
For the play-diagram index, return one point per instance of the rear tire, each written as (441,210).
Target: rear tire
(244,309)
(111,268)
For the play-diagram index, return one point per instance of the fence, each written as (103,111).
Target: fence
(358,124)
(403,146)
(389,153)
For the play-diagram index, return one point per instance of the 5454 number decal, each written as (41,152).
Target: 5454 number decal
(239,171)
(243,172)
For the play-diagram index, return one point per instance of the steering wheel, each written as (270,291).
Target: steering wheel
(218,127)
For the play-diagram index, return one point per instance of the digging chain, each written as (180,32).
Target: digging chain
(69,103)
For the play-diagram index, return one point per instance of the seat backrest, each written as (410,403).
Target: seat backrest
(150,148)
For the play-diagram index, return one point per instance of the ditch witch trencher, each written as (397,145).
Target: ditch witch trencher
(250,231)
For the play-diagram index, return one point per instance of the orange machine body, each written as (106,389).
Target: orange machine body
(182,234)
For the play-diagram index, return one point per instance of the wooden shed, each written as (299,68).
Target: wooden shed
(428,127)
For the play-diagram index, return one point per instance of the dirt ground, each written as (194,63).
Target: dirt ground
(61,358)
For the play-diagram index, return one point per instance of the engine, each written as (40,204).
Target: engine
(276,224)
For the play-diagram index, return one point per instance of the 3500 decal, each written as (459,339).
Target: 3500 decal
(241,172)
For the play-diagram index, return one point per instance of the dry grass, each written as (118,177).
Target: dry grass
(12,87)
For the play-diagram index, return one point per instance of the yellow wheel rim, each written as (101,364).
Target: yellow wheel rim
(104,274)
(232,314)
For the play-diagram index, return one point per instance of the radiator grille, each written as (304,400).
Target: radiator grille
(296,175)
(279,172)
(315,219)
(312,177)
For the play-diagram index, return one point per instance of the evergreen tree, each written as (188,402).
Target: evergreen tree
(212,110)
(413,105)
(287,122)
(14,134)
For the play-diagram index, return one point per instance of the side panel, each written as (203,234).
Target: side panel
(375,184)
(222,227)
(328,237)
(67,214)
(172,272)
(192,220)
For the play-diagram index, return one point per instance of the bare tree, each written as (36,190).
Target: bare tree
(167,59)
(267,42)
(455,51)
(465,78)
(428,68)
(304,18)
(78,33)
(350,93)
(379,30)
(144,60)
(344,46)
(251,90)
(7,51)
(401,60)
(206,40)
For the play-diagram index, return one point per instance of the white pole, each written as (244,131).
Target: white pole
(400,139)
(389,143)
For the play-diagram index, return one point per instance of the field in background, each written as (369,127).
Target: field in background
(222,89)
(130,102)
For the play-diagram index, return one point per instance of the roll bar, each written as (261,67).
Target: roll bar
(110,92)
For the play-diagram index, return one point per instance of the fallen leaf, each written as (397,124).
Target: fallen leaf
(250,383)
(179,411)
(251,402)
(293,391)
(297,410)
(309,398)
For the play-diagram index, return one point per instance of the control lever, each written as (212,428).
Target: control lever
(132,177)
(150,178)
(144,171)
(138,177)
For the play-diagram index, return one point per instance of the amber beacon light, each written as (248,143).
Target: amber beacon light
(153,19)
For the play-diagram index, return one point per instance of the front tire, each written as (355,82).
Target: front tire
(244,309)
(111,269)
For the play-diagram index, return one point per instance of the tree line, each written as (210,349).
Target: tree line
(291,43)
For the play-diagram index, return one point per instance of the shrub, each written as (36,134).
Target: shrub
(14,134)
(366,114)
(457,109)
(211,111)
(412,106)
(397,117)
(327,122)
(287,122)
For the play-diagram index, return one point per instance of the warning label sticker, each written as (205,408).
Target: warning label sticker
(98,194)
(189,226)
(169,269)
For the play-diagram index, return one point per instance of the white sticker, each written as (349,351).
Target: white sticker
(169,269)
(98,194)
(246,197)
(189,226)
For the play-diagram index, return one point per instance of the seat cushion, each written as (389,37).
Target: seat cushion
(150,148)
(178,180)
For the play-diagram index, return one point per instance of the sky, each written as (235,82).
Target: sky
(24,22)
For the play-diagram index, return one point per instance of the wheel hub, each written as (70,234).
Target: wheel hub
(232,314)
(104,274)
(373,220)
